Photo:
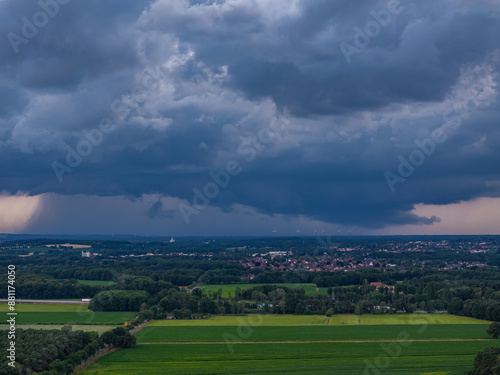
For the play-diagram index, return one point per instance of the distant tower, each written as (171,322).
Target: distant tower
(172,240)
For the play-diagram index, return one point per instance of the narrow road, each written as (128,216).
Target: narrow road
(133,332)
(48,301)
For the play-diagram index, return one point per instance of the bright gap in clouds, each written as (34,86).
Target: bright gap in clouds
(17,211)
(479,216)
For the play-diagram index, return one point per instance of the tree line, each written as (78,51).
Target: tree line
(58,352)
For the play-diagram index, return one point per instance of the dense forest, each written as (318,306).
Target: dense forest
(57,352)
(50,351)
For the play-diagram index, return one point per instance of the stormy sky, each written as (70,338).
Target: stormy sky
(249,117)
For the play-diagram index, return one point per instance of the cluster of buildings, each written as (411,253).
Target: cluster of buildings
(88,254)
(359,256)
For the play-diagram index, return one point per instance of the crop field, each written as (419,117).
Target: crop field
(300,320)
(85,317)
(45,307)
(255,319)
(227,289)
(456,357)
(96,282)
(87,328)
(303,344)
(55,314)
(418,319)
(311,333)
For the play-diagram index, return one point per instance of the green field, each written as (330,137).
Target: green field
(300,320)
(44,307)
(418,319)
(314,358)
(84,317)
(96,282)
(311,333)
(303,344)
(227,289)
(87,328)
(31,313)
(253,319)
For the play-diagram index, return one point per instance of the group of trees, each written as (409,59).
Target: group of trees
(487,362)
(275,299)
(474,293)
(58,352)
(49,352)
(119,300)
(34,286)
(468,293)
(118,337)
(267,299)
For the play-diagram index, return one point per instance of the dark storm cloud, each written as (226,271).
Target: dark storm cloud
(13,101)
(82,41)
(229,69)
(297,61)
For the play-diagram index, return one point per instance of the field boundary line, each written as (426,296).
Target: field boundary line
(80,369)
(140,327)
(301,342)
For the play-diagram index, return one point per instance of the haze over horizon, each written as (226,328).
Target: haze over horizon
(236,117)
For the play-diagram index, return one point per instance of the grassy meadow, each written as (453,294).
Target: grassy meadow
(227,289)
(78,317)
(96,282)
(418,319)
(87,328)
(31,313)
(45,307)
(342,319)
(253,319)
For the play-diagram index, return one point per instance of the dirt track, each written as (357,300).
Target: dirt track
(302,342)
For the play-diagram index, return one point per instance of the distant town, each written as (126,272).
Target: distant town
(321,254)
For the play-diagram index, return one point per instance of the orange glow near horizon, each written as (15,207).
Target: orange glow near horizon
(17,211)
